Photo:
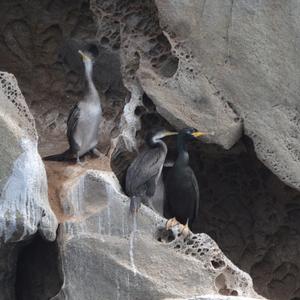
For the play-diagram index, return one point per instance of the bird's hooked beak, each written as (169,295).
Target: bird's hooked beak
(84,56)
(169,133)
(162,134)
(198,134)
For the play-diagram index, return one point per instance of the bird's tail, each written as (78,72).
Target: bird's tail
(135,204)
(65,156)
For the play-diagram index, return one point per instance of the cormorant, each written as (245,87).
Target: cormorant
(144,175)
(84,118)
(182,191)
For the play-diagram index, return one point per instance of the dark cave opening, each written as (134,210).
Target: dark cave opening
(38,275)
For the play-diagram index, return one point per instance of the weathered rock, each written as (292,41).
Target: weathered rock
(216,65)
(187,99)
(24,206)
(119,257)
(234,67)
(235,51)
(212,297)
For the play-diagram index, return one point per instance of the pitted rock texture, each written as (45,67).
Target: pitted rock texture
(19,111)
(251,214)
(213,297)
(223,68)
(182,95)
(24,206)
(162,50)
(118,257)
(228,280)
(248,50)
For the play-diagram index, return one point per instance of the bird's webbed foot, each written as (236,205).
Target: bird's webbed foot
(185,232)
(78,162)
(171,223)
(178,229)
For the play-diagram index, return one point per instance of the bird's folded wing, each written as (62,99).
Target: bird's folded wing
(196,189)
(142,173)
(72,123)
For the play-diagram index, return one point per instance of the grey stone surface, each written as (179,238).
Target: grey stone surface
(248,51)
(187,99)
(118,257)
(225,67)
(24,206)
(213,297)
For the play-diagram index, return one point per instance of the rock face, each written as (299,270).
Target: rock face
(119,257)
(216,65)
(24,200)
(212,297)
(24,206)
(221,66)
(234,47)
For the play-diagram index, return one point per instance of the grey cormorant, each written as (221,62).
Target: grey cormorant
(182,191)
(144,175)
(84,118)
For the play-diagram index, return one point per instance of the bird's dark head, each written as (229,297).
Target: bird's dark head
(190,133)
(154,136)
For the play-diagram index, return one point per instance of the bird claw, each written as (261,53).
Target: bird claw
(78,162)
(178,228)
(171,223)
(185,231)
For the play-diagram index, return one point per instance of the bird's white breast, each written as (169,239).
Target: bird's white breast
(88,126)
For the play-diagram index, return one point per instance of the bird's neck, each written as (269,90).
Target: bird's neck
(88,66)
(158,143)
(183,155)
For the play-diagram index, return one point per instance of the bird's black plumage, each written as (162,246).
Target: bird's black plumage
(143,175)
(182,191)
(71,127)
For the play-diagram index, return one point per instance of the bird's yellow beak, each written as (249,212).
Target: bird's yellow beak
(198,134)
(84,57)
(168,133)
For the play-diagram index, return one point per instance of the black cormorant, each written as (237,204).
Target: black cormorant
(84,118)
(182,191)
(144,175)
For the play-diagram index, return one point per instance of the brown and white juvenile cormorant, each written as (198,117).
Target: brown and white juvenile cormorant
(182,191)
(144,175)
(84,118)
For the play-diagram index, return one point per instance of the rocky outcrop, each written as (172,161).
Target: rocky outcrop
(24,206)
(220,66)
(212,297)
(216,66)
(250,66)
(119,257)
